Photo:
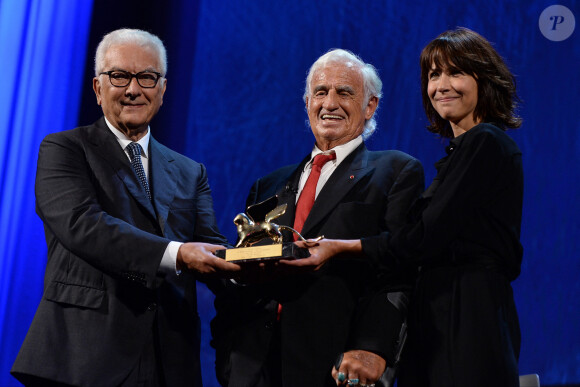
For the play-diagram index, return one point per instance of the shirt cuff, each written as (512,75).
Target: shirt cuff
(169,260)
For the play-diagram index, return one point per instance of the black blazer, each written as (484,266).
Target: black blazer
(323,311)
(105,240)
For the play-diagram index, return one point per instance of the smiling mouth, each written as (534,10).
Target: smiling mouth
(446,99)
(331,117)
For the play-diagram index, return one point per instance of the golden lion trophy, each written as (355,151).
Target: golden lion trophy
(257,226)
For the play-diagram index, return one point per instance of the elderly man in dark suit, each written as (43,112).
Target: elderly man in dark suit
(129,226)
(286,325)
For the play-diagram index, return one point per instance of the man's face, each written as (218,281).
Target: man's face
(336,106)
(132,107)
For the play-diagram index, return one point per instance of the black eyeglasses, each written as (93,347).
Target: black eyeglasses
(121,78)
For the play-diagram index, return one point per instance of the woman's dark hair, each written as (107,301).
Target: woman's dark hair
(467,51)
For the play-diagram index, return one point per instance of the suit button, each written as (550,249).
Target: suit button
(269,324)
(152,306)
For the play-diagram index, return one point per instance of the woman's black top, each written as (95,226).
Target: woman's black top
(471,213)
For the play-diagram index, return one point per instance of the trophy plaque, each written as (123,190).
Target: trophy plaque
(256,226)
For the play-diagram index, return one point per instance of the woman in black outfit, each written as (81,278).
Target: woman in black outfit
(464,328)
(463,233)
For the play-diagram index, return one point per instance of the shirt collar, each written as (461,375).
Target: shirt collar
(341,151)
(124,140)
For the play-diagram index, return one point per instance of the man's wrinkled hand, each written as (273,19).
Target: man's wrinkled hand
(318,256)
(322,250)
(361,366)
(200,258)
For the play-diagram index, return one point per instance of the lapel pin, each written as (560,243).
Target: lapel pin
(351,177)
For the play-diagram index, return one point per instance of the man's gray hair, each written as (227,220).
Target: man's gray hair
(373,87)
(130,36)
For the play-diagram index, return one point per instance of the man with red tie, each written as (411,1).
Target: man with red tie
(288,328)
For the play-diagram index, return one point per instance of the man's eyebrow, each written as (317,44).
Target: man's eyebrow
(341,88)
(346,88)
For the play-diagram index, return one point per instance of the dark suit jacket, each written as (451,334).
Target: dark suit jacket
(103,291)
(323,311)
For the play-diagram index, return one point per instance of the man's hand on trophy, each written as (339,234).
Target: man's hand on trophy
(321,250)
(199,257)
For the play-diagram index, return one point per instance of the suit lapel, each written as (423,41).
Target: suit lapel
(287,194)
(342,180)
(163,180)
(106,145)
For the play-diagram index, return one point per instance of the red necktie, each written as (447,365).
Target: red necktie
(306,200)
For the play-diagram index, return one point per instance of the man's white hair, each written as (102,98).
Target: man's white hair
(130,36)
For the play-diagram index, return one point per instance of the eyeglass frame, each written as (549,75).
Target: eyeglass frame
(133,75)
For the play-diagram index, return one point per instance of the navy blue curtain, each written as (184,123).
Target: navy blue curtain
(41,46)
(234,102)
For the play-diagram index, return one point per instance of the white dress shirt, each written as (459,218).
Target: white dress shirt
(341,152)
(169,261)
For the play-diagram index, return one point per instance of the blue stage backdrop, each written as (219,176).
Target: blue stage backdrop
(234,102)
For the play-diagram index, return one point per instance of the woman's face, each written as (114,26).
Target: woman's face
(453,95)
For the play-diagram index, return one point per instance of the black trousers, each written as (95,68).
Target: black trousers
(271,373)
(463,330)
(148,372)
